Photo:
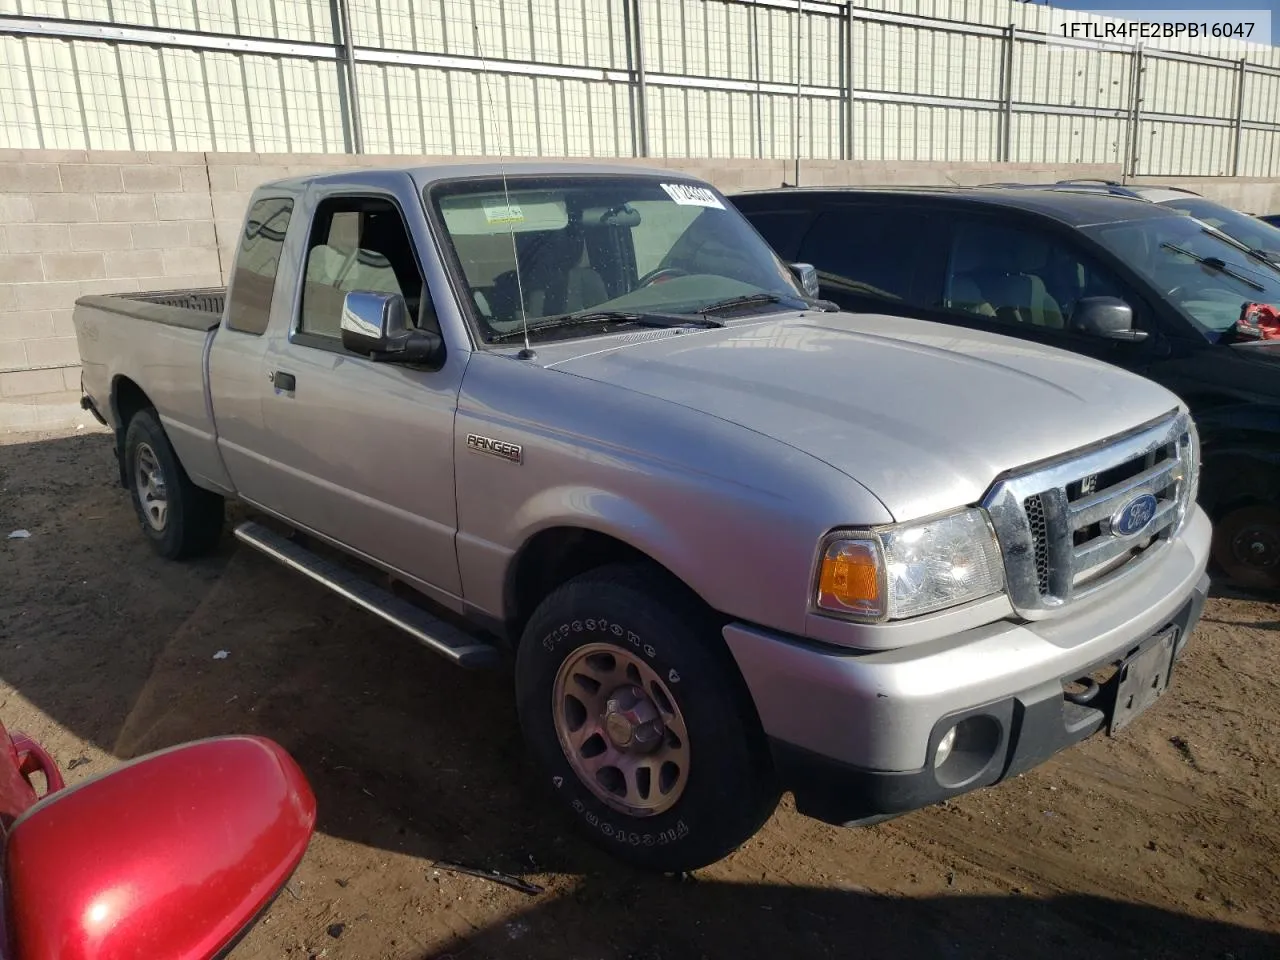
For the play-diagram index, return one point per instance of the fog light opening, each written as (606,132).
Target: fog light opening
(944,748)
(966,750)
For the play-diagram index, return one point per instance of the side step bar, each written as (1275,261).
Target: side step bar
(432,632)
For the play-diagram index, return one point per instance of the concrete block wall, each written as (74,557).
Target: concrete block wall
(77,222)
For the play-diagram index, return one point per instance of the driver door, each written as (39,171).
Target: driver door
(361,452)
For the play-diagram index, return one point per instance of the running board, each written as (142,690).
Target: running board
(432,632)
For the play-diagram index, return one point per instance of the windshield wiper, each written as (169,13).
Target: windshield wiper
(583,317)
(752,298)
(1213,263)
(1270,257)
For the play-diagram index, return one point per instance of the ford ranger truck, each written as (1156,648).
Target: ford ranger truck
(735,542)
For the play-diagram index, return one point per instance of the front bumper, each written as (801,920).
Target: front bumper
(853,733)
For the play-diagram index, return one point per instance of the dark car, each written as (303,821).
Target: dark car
(1271,218)
(1134,283)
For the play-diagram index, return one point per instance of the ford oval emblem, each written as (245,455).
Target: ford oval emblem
(1134,516)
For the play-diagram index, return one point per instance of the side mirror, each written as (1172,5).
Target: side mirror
(1109,318)
(377,326)
(807,274)
(173,855)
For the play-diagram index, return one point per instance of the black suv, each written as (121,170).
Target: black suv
(1133,283)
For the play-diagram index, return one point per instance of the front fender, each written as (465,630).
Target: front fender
(604,512)
(745,554)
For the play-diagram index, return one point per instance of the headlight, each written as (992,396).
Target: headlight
(904,570)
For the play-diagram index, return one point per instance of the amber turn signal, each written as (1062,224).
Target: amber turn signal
(850,579)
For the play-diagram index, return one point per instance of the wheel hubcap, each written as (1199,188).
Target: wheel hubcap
(152,495)
(1258,546)
(621,730)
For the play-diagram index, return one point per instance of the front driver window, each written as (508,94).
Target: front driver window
(356,244)
(1014,274)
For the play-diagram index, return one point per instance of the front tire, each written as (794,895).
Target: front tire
(179,519)
(1246,545)
(635,713)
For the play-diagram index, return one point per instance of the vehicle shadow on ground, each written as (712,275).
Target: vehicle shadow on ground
(675,921)
(408,754)
(133,653)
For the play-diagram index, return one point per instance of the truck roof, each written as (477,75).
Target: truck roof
(1074,208)
(433,173)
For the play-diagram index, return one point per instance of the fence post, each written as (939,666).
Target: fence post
(640,101)
(799,78)
(353,92)
(755,76)
(1241,74)
(847,92)
(1006,108)
(1135,114)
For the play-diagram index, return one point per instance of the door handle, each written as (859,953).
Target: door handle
(284,381)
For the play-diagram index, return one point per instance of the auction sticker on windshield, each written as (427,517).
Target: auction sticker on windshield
(497,212)
(690,196)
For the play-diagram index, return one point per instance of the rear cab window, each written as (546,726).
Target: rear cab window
(257,264)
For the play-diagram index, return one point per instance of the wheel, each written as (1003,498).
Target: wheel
(1246,545)
(636,714)
(180,519)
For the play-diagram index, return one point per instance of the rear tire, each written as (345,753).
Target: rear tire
(178,518)
(620,671)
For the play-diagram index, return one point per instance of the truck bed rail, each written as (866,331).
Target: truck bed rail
(194,309)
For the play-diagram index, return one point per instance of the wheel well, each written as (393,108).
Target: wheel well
(555,556)
(127,398)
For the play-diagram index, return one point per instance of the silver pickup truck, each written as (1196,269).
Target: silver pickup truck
(736,542)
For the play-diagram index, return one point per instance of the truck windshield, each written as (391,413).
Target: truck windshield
(590,245)
(1206,276)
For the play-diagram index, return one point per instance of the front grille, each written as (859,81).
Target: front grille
(1034,506)
(1064,529)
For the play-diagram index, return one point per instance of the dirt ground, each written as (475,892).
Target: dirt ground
(1164,842)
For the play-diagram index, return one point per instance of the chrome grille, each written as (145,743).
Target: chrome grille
(1057,522)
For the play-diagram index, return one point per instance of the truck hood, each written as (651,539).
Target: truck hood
(924,415)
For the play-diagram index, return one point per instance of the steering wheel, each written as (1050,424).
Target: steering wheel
(661,275)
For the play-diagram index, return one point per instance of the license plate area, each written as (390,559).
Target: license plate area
(1143,679)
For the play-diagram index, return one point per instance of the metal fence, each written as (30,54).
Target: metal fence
(945,80)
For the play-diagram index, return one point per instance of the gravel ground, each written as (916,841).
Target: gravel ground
(1163,842)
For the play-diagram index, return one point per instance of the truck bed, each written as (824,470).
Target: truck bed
(151,347)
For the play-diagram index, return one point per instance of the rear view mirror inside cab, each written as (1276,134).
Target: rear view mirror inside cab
(624,215)
(487,213)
